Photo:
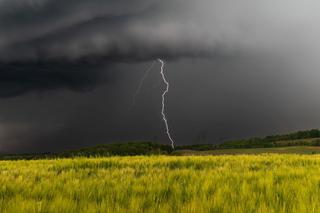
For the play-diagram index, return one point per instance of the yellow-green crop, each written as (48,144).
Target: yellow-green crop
(255,183)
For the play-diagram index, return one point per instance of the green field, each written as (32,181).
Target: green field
(239,183)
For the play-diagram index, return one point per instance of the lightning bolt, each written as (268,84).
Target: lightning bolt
(163,102)
(141,84)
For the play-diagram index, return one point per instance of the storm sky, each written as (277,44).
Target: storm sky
(237,69)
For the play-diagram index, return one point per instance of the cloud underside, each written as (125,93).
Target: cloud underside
(49,44)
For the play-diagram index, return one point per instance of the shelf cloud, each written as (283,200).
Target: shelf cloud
(65,34)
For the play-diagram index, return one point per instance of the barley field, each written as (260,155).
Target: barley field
(239,183)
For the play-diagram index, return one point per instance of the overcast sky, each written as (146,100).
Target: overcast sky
(69,70)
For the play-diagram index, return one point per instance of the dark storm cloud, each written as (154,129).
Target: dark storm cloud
(74,32)
(20,78)
(48,44)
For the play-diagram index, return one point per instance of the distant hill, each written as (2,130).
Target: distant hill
(124,148)
(116,149)
(300,138)
(297,139)
(305,150)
